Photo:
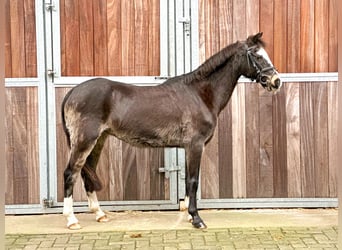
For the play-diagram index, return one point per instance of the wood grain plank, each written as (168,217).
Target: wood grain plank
(267,25)
(141,34)
(130,173)
(333,35)
(114,37)
(266,145)
(210,169)
(293,36)
(143,173)
(279,145)
(202,30)
(212,30)
(225,159)
(307,140)
(72,38)
(20,171)
(307,45)
(225,17)
(103,172)
(252,19)
(239,20)
(86,38)
(321,36)
(62,39)
(17,39)
(157,186)
(128,42)
(100,38)
(116,185)
(9,148)
(8,53)
(32,145)
(252,141)
(280,35)
(293,140)
(239,141)
(332,138)
(154,38)
(30,39)
(320,107)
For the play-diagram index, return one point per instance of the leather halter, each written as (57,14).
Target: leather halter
(259,69)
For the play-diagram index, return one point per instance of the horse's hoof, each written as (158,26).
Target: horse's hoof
(190,219)
(75,226)
(200,225)
(103,219)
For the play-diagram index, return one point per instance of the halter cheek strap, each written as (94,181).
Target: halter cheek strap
(257,66)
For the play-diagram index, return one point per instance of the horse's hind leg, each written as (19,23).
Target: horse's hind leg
(78,156)
(91,181)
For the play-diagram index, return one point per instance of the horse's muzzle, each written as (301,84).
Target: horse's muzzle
(275,82)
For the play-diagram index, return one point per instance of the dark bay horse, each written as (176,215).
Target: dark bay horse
(181,112)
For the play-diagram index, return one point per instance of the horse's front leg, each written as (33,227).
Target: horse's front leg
(193,156)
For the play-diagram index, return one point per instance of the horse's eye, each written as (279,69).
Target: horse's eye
(263,79)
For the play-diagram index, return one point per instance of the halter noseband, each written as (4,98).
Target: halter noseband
(259,69)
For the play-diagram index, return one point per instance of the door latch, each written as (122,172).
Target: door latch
(167,171)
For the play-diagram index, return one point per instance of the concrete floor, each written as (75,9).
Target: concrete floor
(130,221)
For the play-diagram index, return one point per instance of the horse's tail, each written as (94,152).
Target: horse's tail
(66,131)
(87,172)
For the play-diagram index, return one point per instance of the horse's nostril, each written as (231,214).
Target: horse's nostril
(277,83)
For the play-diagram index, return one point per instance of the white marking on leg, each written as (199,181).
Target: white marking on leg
(186,201)
(94,207)
(68,211)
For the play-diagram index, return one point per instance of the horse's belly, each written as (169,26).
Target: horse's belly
(148,139)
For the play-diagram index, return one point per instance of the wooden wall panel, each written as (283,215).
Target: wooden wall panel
(293,142)
(333,15)
(126,172)
(307,25)
(100,38)
(307,149)
(17,39)
(20,39)
(117,38)
(293,36)
(113,33)
(252,140)
(86,37)
(266,145)
(320,119)
(279,144)
(273,146)
(22,162)
(332,130)
(321,36)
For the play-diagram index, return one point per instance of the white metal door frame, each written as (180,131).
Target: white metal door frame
(55,80)
(40,83)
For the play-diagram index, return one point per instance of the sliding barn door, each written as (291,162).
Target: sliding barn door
(124,41)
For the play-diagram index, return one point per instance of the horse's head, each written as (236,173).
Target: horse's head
(259,66)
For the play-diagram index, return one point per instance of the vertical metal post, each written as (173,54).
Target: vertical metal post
(42,106)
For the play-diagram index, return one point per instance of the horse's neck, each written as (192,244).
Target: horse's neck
(219,87)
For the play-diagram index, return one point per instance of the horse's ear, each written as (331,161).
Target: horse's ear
(255,40)
(257,37)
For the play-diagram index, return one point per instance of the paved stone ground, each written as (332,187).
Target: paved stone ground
(221,238)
